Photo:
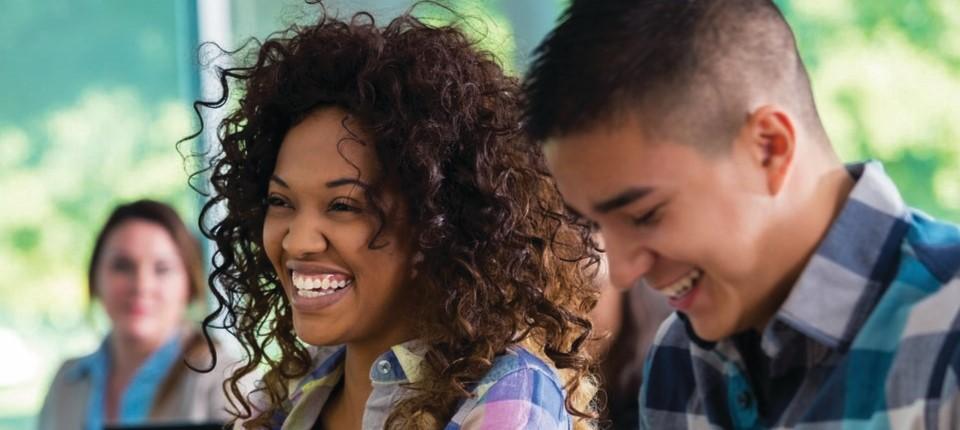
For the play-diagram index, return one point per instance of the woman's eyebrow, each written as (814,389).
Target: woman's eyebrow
(347,181)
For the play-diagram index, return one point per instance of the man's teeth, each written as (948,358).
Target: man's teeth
(318,285)
(683,286)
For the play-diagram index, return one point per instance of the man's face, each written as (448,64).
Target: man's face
(691,225)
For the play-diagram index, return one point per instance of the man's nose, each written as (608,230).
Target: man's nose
(628,264)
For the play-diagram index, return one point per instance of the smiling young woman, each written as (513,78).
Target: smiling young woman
(391,249)
(316,234)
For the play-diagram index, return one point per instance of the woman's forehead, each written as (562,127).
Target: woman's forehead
(140,238)
(328,144)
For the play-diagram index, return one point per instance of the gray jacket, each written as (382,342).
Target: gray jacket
(190,396)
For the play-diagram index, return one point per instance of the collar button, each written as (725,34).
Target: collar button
(384,367)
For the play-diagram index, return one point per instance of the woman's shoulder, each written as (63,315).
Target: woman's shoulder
(76,368)
(520,391)
(65,400)
(517,361)
(215,355)
(193,387)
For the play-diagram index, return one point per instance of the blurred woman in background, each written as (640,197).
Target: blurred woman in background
(145,269)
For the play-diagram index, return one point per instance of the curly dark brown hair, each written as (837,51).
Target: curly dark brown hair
(504,260)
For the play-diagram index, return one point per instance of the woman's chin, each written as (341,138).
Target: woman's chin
(142,333)
(314,333)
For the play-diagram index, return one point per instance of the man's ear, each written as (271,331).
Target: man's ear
(770,141)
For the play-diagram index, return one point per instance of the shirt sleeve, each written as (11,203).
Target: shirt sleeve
(526,399)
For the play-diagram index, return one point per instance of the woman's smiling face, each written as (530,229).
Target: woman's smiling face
(318,230)
(142,281)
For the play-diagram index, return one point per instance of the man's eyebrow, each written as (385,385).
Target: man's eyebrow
(574,212)
(622,199)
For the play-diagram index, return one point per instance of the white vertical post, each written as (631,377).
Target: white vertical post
(214,26)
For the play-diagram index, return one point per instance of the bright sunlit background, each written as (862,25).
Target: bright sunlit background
(96,93)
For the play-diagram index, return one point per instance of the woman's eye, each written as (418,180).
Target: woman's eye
(341,206)
(161,269)
(121,266)
(277,201)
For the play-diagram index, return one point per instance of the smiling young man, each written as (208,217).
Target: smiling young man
(807,293)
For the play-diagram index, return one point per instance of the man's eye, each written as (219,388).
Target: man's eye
(649,218)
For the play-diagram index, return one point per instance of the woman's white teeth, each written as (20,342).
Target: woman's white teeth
(316,286)
(684,285)
(313,293)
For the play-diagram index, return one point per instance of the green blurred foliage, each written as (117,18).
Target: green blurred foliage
(92,105)
(886,76)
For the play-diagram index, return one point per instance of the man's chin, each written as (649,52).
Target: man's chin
(710,331)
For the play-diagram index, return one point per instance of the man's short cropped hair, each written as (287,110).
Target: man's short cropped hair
(689,68)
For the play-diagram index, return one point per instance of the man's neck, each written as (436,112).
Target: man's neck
(808,223)
(804,224)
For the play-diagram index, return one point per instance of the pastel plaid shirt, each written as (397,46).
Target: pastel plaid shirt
(868,338)
(519,392)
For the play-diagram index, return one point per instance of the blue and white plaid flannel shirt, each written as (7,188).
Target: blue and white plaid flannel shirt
(868,338)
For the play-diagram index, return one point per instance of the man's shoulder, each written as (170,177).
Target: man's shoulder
(922,302)
(936,245)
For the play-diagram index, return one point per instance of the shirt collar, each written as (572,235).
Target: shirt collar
(849,270)
(100,358)
(327,371)
(400,364)
(403,363)
(852,265)
(89,364)
(140,394)
(138,397)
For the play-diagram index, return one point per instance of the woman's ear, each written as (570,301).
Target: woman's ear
(414,262)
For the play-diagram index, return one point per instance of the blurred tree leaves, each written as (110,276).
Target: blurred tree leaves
(89,114)
(109,147)
(886,75)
